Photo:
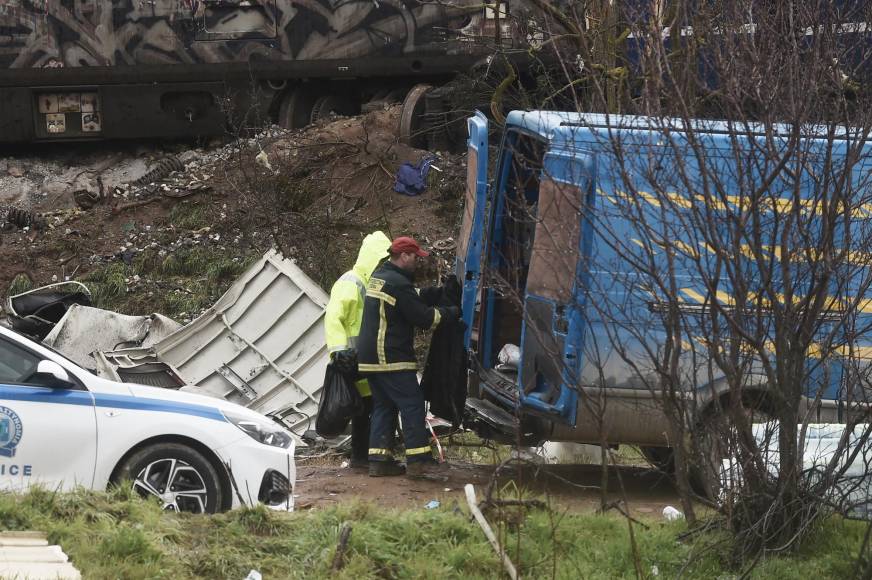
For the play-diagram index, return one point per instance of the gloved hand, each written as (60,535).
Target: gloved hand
(450,282)
(345,361)
(451,312)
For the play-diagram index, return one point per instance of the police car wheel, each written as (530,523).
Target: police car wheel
(180,477)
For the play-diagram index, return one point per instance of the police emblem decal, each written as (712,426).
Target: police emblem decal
(10,431)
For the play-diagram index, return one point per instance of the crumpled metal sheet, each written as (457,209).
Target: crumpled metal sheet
(261,346)
(84,330)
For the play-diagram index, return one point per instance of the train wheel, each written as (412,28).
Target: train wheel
(295,111)
(334,104)
(412,117)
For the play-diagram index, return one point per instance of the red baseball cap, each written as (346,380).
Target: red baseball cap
(405,245)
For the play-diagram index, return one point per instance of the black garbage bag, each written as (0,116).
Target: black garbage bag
(340,401)
(445,374)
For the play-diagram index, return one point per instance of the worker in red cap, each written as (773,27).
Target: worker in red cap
(392,309)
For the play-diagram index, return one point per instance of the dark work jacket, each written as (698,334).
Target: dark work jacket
(444,378)
(391,311)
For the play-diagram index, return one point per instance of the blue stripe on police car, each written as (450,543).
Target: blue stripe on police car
(86,398)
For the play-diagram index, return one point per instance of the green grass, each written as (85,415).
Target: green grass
(21,283)
(116,535)
(184,281)
(190,215)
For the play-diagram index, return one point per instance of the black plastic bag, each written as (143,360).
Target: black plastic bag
(340,401)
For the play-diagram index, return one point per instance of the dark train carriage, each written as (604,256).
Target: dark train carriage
(85,69)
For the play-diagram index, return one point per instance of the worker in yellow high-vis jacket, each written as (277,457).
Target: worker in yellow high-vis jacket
(342,325)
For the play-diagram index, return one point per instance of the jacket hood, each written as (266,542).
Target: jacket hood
(373,250)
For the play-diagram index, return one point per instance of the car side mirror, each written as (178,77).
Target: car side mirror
(51,374)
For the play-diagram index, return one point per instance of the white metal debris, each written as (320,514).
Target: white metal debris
(261,345)
(84,330)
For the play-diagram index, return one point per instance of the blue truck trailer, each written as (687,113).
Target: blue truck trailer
(543,257)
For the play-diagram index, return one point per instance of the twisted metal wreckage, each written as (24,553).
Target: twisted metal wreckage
(261,345)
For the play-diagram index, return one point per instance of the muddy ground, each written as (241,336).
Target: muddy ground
(572,487)
(67,212)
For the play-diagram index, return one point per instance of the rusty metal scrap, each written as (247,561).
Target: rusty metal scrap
(20,218)
(161,169)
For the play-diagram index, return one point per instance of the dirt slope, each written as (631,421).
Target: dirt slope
(172,246)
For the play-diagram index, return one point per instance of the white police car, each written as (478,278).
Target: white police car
(62,427)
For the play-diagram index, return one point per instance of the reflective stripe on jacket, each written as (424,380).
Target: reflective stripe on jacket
(392,310)
(344,311)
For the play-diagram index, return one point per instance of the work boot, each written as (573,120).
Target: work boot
(385,469)
(427,470)
(359,463)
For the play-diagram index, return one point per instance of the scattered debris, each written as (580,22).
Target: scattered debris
(36,311)
(412,178)
(262,159)
(432,504)
(163,168)
(509,356)
(105,331)
(20,218)
(260,345)
(567,453)
(446,245)
(488,531)
(341,547)
(87,189)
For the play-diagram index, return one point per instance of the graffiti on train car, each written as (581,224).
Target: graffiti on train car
(75,33)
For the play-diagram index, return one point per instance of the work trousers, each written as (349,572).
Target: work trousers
(360,431)
(391,392)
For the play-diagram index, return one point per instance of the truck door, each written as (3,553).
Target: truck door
(553,326)
(472,234)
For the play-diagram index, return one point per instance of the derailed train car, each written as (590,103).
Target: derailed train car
(92,69)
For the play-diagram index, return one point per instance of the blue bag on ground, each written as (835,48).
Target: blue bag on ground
(412,179)
(340,401)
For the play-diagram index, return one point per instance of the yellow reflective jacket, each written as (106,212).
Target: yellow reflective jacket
(345,308)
